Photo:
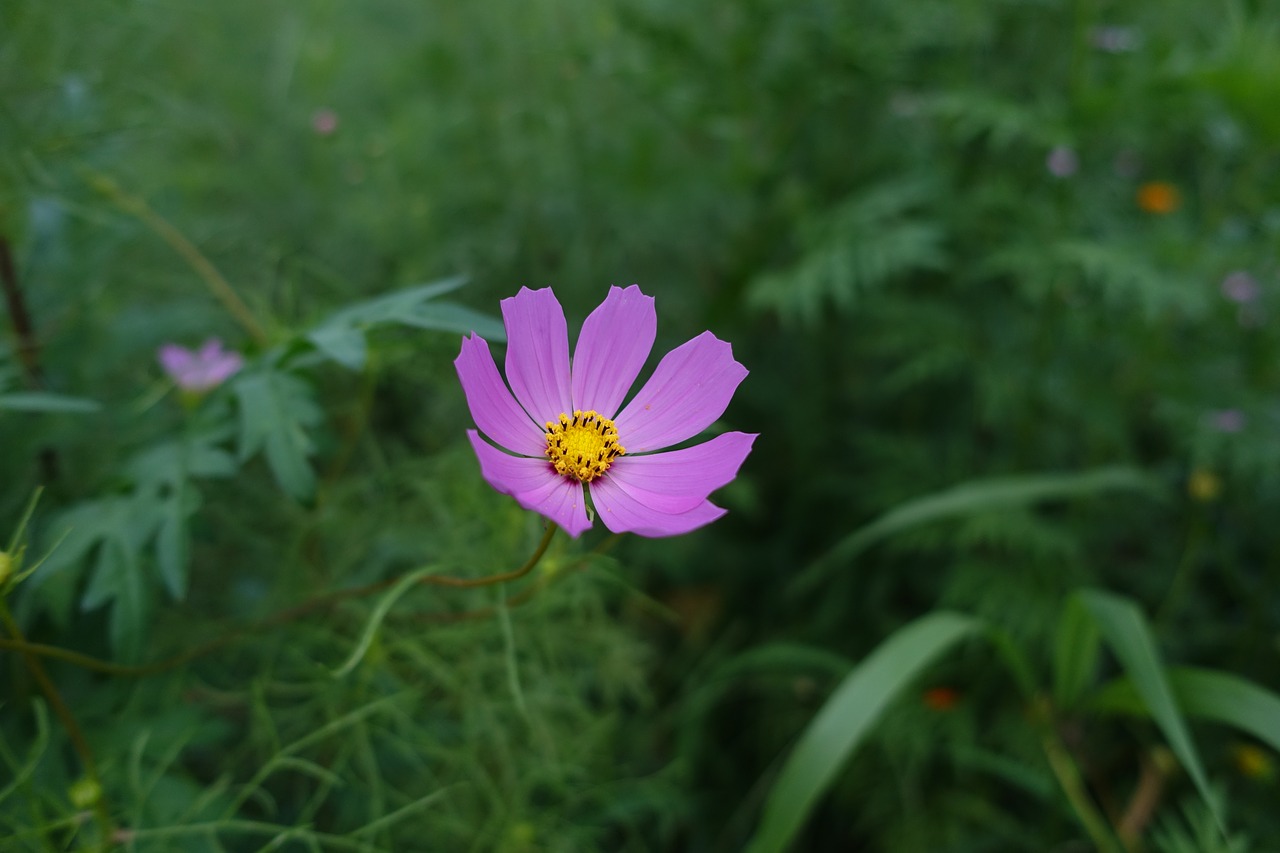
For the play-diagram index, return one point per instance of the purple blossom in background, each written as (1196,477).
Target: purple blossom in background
(1115,39)
(1241,287)
(199,370)
(324,122)
(1062,161)
(1227,420)
(565,433)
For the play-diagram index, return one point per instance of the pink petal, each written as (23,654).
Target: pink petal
(534,484)
(690,389)
(614,343)
(175,360)
(211,350)
(625,511)
(226,366)
(495,411)
(538,353)
(691,473)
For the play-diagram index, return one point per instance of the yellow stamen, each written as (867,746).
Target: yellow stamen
(583,446)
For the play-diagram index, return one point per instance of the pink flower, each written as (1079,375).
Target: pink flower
(566,435)
(1241,288)
(324,122)
(199,370)
(1227,420)
(1062,161)
(1115,39)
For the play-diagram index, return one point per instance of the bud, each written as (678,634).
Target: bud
(85,793)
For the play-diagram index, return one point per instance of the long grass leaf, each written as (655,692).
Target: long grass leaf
(967,498)
(1125,630)
(1208,694)
(840,726)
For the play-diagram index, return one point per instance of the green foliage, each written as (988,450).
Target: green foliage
(844,720)
(928,232)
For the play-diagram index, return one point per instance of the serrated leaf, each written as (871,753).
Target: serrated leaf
(40,401)
(844,720)
(276,409)
(864,242)
(172,547)
(342,336)
(343,344)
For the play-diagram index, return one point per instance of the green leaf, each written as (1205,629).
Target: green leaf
(842,723)
(968,498)
(1075,653)
(40,401)
(1208,694)
(172,547)
(1125,630)
(275,411)
(342,336)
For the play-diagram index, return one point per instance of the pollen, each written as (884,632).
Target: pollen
(582,446)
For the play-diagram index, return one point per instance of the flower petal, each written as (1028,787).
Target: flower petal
(534,484)
(538,353)
(493,408)
(690,474)
(612,347)
(625,511)
(690,389)
(175,360)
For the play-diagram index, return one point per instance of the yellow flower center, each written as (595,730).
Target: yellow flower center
(583,446)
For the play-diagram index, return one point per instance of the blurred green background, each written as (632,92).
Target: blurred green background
(952,240)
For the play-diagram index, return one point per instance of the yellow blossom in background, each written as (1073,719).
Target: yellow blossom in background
(1253,762)
(1159,197)
(1204,485)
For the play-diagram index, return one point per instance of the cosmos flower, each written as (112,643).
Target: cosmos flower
(1227,420)
(1115,39)
(1159,197)
(324,122)
(1062,161)
(199,370)
(1241,287)
(565,434)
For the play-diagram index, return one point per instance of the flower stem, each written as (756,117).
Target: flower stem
(68,720)
(218,285)
(322,602)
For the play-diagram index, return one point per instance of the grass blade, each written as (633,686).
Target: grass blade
(841,724)
(1125,630)
(970,497)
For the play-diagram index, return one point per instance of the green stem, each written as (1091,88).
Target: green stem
(217,284)
(35,650)
(1068,775)
(68,720)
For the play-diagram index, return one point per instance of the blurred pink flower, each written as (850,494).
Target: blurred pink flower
(1241,287)
(199,370)
(562,436)
(1227,420)
(1115,39)
(1062,161)
(324,121)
